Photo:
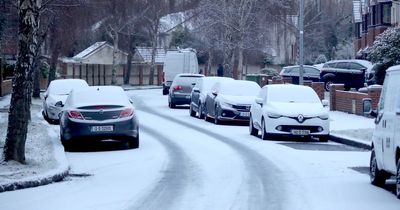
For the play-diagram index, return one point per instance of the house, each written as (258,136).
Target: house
(371,18)
(94,64)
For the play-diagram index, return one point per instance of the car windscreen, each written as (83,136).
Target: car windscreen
(240,89)
(292,95)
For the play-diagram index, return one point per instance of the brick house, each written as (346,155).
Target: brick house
(371,18)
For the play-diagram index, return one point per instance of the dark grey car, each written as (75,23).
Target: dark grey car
(99,113)
(181,88)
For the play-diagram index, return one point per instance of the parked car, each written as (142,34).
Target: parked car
(199,93)
(181,88)
(385,153)
(56,94)
(178,62)
(351,73)
(99,113)
(293,72)
(230,100)
(289,110)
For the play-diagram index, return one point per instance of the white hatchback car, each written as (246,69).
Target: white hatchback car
(289,110)
(56,94)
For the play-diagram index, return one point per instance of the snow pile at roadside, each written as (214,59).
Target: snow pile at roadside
(44,154)
(351,126)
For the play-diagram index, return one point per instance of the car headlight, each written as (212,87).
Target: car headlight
(225,104)
(274,115)
(323,116)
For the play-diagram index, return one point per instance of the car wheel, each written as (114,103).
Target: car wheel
(253,131)
(398,180)
(328,85)
(165,91)
(171,105)
(324,138)
(133,143)
(377,177)
(201,114)
(264,134)
(216,120)
(191,112)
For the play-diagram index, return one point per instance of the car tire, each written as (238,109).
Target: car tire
(324,138)
(171,105)
(398,179)
(377,177)
(133,143)
(253,131)
(264,134)
(191,112)
(200,114)
(216,120)
(165,91)
(328,85)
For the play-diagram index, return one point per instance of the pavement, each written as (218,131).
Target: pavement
(49,154)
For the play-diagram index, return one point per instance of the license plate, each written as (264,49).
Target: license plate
(104,128)
(300,132)
(244,114)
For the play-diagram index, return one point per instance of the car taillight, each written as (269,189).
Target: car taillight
(75,115)
(126,113)
(176,88)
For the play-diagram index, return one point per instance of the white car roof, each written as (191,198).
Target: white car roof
(297,92)
(98,95)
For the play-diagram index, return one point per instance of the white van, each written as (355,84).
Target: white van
(385,154)
(178,62)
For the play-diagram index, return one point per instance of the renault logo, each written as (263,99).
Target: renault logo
(300,118)
(101,111)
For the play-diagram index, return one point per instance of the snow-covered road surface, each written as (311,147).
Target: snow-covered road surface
(187,163)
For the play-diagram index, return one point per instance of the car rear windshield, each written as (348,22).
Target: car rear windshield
(187,80)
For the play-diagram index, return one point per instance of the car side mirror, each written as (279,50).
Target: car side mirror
(259,101)
(59,104)
(325,103)
(196,90)
(367,108)
(214,93)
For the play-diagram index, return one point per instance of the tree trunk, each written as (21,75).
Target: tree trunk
(14,148)
(209,63)
(36,80)
(153,57)
(1,75)
(240,60)
(53,64)
(114,62)
(132,50)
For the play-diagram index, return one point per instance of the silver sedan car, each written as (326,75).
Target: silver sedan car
(56,94)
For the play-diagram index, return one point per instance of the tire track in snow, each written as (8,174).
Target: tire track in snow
(180,171)
(265,183)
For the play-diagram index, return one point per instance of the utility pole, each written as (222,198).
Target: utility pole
(301,42)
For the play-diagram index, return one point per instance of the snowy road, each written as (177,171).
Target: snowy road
(187,163)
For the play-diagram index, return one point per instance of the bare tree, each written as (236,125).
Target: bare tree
(28,20)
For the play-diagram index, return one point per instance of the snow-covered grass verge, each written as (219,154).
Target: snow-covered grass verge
(45,158)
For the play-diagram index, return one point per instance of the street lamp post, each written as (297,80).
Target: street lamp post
(301,42)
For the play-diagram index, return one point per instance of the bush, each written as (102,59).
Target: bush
(386,48)
(321,59)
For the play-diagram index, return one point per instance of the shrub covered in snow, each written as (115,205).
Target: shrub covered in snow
(386,51)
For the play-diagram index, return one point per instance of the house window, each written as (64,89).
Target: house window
(357,30)
(374,15)
(365,24)
(386,13)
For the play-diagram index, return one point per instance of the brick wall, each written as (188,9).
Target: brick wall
(319,89)
(332,95)
(6,87)
(351,101)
